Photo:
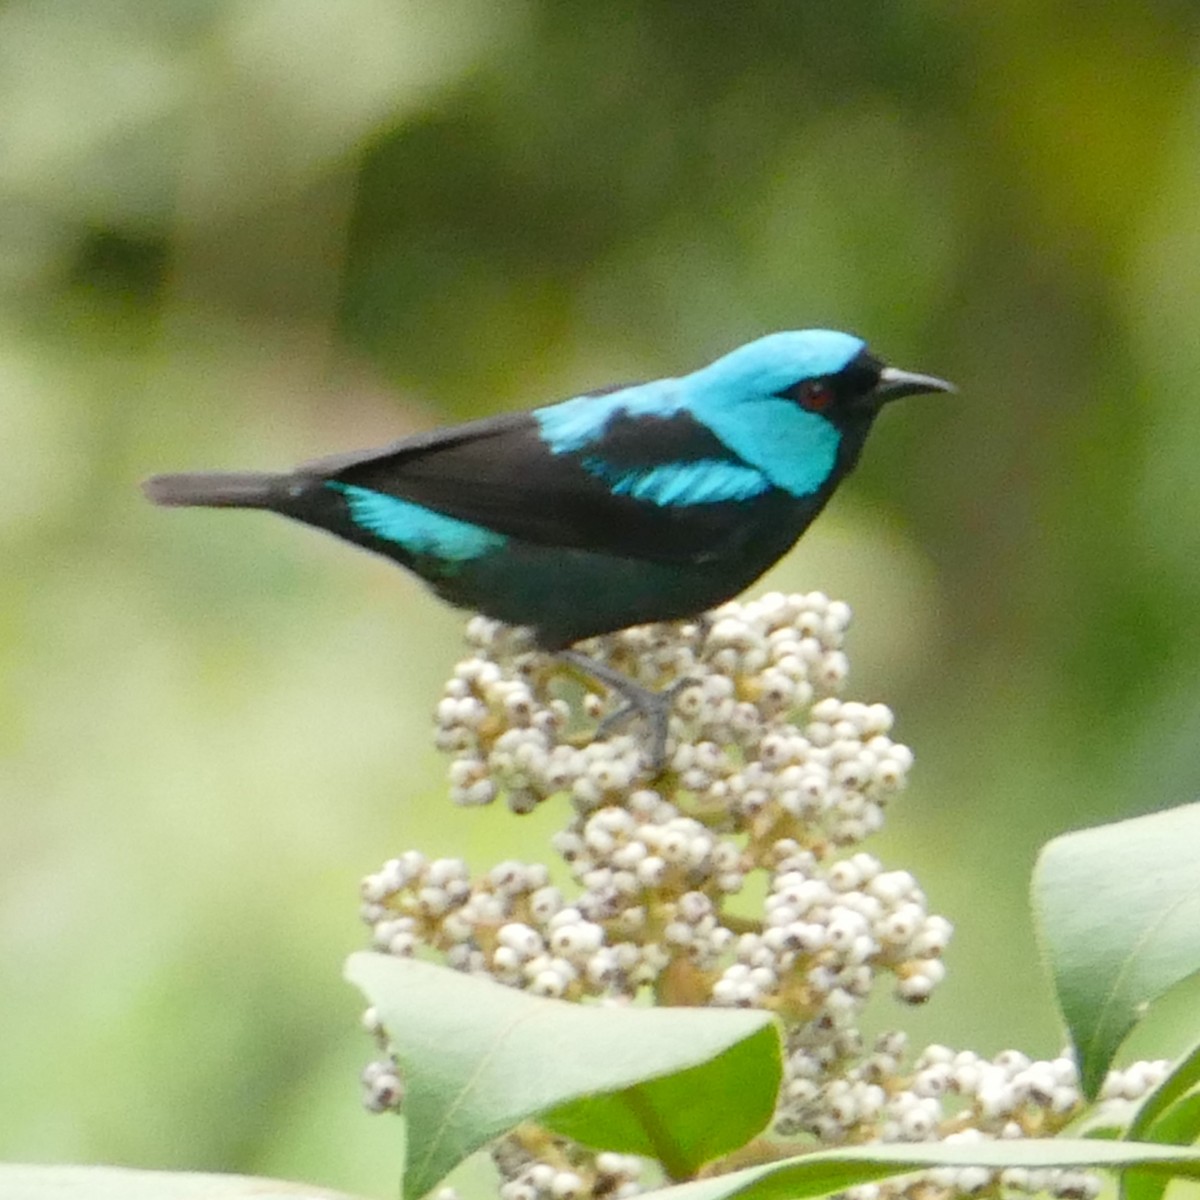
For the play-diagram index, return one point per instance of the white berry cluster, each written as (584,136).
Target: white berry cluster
(947,1096)
(771,778)
(534,1165)
(768,772)
(827,931)
(759,736)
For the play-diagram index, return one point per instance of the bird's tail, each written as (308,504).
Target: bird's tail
(217,489)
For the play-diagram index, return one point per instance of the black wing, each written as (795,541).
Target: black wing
(499,473)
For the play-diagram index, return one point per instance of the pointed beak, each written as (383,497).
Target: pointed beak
(894,383)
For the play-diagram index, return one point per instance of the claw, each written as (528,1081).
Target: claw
(653,707)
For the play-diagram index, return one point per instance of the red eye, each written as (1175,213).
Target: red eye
(814,395)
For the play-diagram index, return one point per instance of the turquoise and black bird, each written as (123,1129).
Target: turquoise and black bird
(646,502)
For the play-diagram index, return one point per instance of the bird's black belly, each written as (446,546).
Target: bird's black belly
(568,595)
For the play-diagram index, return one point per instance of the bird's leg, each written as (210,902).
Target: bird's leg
(704,623)
(653,707)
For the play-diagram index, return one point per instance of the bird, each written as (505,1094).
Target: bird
(619,506)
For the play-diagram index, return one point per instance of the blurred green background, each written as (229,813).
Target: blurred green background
(246,232)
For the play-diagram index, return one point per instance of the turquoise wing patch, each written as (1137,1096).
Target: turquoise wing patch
(705,481)
(419,530)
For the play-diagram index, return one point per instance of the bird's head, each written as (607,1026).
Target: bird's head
(820,370)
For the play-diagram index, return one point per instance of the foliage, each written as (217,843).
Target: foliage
(479,1058)
(1120,915)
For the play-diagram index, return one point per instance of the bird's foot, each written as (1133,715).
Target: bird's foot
(653,707)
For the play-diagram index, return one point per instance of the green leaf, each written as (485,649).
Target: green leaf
(1178,1126)
(1181,1080)
(1119,910)
(1108,1133)
(478,1058)
(835,1170)
(675,1111)
(19,1182)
